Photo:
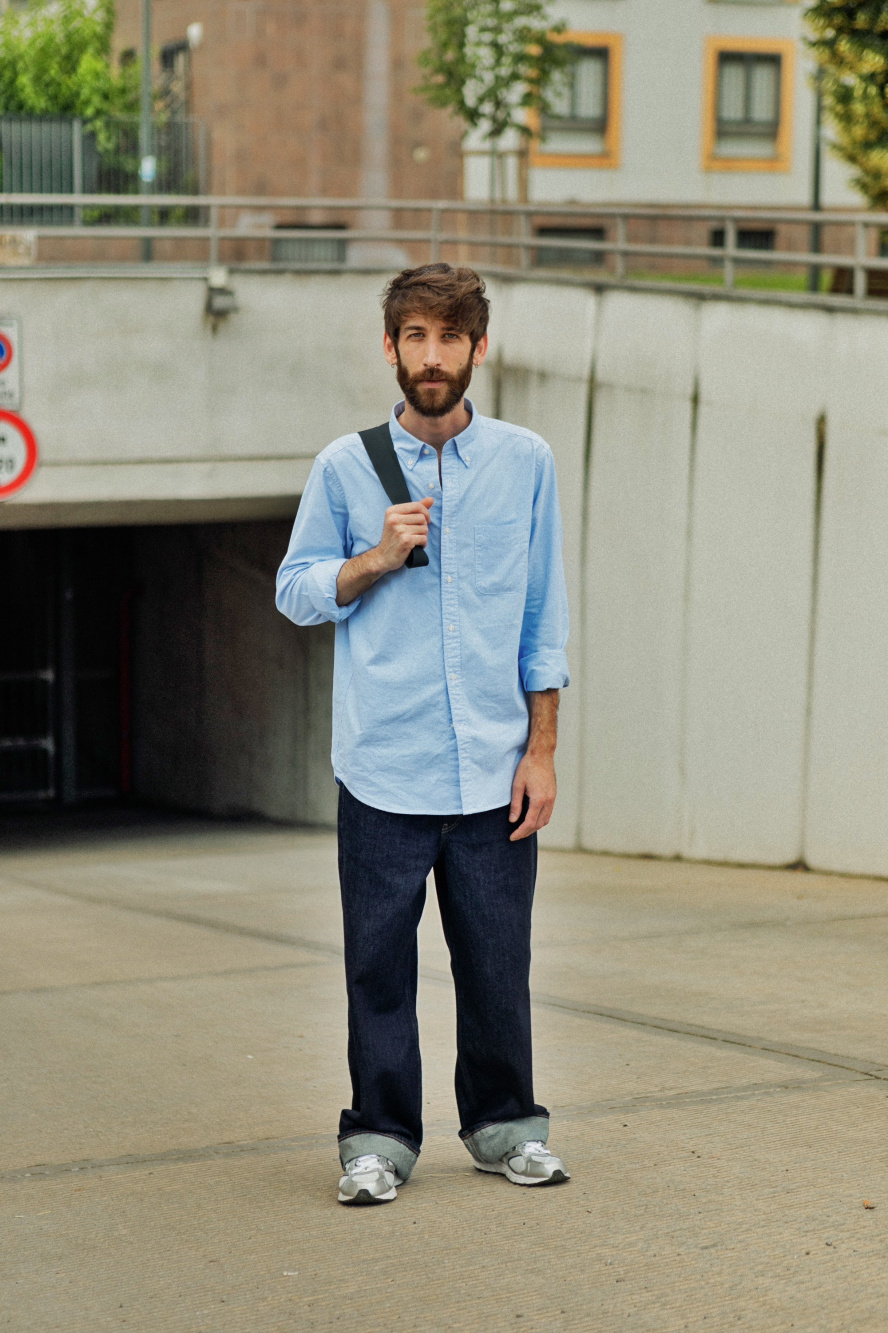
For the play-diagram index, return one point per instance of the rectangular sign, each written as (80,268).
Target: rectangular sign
(10,365)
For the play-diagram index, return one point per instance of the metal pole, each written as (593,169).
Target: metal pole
(214,235)
(524,252)
(435,236)
(620,253)
(77,154)
(816,180)
(67,673)
(860,240)
(730,249)
(147,160)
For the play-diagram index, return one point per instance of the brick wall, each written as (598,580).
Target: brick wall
(280,84)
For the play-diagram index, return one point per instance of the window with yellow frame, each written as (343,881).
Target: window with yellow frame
(747,101)
(583,128)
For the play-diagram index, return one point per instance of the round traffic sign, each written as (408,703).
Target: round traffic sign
(6,350)
(18,453)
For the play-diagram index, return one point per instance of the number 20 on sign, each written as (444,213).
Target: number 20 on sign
(18,453)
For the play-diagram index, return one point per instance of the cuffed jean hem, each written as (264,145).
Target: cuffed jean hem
(356,1145)
(491,1142)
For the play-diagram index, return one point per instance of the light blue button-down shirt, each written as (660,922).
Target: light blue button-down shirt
(432,664)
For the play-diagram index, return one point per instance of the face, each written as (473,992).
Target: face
(434,364)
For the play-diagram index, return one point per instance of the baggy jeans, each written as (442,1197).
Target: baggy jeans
(485,887)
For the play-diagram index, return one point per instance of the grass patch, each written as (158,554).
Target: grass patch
(762,281)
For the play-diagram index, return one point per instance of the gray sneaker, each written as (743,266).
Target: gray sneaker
(369,1179)
(529,1163)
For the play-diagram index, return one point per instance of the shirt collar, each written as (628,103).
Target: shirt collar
(409,448)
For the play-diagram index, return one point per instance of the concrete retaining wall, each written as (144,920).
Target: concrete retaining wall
(723,467)
(727,532)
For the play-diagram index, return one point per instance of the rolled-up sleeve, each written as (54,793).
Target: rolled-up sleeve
(542,660)
(306,581)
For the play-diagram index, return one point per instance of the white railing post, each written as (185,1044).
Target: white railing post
(214,235)
(77,163)
(730,247)
(435,236)
(525,235)
(620,252)
(860,239)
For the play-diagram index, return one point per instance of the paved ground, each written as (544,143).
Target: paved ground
(711,1041)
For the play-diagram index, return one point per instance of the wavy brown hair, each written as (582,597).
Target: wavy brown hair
(453,295)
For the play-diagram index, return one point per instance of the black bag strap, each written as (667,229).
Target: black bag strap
(381,451)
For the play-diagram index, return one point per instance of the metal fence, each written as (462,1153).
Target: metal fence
(822,255)
(179,145)
(60,155)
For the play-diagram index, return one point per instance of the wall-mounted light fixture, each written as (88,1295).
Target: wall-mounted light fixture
(221,300)
(195,35)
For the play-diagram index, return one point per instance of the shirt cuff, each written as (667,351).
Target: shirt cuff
(544,671)
(320,588)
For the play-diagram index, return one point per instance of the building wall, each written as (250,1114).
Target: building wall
(310,99)
(292,89)
(722,471)
(661,111)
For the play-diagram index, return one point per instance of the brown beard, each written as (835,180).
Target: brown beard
(440,401)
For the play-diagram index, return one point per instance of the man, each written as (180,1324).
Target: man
(445,700)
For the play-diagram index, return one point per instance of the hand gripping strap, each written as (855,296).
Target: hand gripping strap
(381,451)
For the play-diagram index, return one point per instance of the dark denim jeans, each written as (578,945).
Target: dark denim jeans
(485,889)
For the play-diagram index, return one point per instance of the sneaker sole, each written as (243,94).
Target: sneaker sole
(500,1169)
(364,1197)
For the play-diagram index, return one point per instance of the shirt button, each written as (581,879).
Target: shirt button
(450,627)
(446,529)
(449,579)
(453,675)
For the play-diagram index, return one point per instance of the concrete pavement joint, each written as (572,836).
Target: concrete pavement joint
(809,1054)
(187,919)
(310,1142)
(175,976)
(213,923)
(775,923)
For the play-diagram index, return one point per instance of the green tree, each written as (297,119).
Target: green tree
(55,60)
(850,43)
(490,62)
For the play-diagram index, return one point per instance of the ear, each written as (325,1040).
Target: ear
(389,349)
(480,351)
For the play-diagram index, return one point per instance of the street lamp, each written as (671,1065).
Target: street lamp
(816,178)
(147,159)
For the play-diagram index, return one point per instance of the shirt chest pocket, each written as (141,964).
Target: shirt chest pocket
(500,558)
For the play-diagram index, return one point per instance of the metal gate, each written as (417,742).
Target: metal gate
(61,155)
(64,666)
(46,155)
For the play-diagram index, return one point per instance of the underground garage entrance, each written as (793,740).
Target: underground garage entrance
(150,664)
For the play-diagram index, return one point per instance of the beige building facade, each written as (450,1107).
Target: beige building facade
(680,102)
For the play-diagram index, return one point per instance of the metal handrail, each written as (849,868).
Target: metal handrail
(271,202)
(516,248)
